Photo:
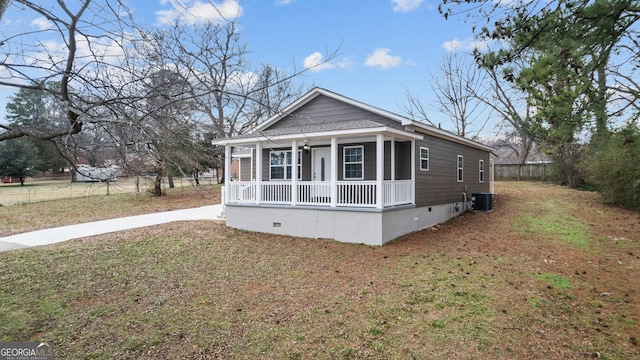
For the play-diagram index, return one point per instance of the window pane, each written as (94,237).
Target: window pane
(277,173)
(352,171)
(277,158)
(353,154)
(424,164)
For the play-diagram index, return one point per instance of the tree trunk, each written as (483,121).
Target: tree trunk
(157,184)
(170,179)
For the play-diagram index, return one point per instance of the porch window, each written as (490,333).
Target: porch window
(424,159)
(481,170)
(280,166)
(353,162)
(460,168)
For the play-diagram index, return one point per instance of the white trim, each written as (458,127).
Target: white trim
(481,172)
(393,158)
(379,170)
(428,160)
(385,130)
(295,154)
(227,167)
(259,172)
(413,170)
(460,169)
(334,172)
(344,162)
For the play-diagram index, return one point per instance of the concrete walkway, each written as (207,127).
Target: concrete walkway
(64,233)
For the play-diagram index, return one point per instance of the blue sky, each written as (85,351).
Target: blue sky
(385,46)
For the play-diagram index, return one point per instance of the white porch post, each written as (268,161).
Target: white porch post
(227,171)
(294,172)
(413,171)
(334,172)
(258,173)
(379,171)
(393,159)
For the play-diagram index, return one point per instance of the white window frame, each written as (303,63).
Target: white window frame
(460,168)
(424,159)
(287,158)
(481,171)
(345,163)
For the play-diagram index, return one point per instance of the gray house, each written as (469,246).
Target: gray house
(332,167)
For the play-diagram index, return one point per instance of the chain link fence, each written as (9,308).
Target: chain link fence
(36,190)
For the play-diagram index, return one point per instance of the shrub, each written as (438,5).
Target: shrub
(613,167)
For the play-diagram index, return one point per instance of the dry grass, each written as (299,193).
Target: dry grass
(24,217)
(514,283)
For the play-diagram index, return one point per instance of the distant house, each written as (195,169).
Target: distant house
(332,167)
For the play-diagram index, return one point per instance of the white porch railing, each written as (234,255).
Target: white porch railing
(318,193)
(398,192)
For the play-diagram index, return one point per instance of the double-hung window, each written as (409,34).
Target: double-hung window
(460,168)
(424,159)
(353,162)
(481,170)
(280,165)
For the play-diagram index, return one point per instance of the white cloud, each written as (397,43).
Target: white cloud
(346,63)
(284,2)
(382,58)
(315,63)
(406,5)
(468,44)
(192,12)
(42,23)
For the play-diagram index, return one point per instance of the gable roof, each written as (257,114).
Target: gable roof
(405,125)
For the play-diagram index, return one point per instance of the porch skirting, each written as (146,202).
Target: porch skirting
(365,226)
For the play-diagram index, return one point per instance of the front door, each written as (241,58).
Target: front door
(321,170)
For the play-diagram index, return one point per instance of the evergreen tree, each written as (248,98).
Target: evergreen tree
(17,158)
(37,109)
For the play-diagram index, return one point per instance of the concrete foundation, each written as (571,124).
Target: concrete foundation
(366,226)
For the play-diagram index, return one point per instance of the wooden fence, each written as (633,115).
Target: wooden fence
(541,172)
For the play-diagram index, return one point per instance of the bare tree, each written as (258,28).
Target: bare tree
(456,88)
(514,111)
(231,95)
(74,44)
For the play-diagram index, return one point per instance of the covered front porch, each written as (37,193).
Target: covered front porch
(369,168)
(362,194)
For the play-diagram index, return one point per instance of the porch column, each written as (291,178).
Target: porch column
(258,173)
(413,172)
(393,159)
(379,171)
(294,172)
(334,172)
(227,172)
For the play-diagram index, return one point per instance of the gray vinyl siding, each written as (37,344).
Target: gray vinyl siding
(245,169)
(323,109)
(439,184)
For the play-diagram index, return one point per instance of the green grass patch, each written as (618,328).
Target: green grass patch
(557,281)
(556,223)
